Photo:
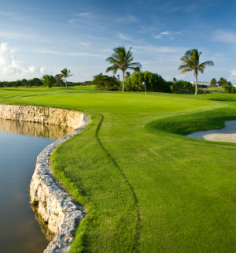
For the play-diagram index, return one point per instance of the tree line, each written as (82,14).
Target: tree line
(122,60)
(46,80)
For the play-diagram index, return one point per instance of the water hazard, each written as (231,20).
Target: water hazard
(20,144)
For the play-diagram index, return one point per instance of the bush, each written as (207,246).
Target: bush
(25,83)
(35,82)
(153,82)
(230,89)
(105,82)
(183,87)
(48,81)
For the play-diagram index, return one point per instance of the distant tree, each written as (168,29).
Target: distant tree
(36,82)
(5,84)
(222,82)
(213,82)
(121,59)
(65,73)
(48,80)
(191,63)
(59,80)
(105,82)
(174,80)
(25,83)
(16,83)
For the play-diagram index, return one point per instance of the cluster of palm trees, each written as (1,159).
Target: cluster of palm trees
(123,60)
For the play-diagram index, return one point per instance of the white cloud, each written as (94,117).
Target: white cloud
(180,77)
(43,70)
(158,36)
(165,33)
(9,65)
(161,49)
(22,36)
(82,44)
(232,77)
(225,36)
(124,37)
(128,18)
(83,14)
(66,54)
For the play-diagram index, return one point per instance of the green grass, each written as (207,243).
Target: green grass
(146,187)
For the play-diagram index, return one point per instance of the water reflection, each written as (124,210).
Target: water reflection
(34,129)
(43,225)
(20,144)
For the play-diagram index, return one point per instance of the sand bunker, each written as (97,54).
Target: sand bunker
(226,134)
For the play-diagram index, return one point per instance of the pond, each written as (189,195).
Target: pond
(20,144)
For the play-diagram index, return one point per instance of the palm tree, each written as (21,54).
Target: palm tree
(174,80)
(191,63)
(65,73)
(121,59)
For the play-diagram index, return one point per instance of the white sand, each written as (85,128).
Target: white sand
(226,134)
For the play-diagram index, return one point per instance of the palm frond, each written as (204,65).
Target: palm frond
(200,69)
(183,67)
(113,68)
(122,59)
(185,70)
(206,63)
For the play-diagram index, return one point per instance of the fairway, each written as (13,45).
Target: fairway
(146,187)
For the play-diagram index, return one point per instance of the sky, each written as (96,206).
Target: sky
(44,37)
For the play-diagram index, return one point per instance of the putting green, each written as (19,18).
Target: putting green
(146,187)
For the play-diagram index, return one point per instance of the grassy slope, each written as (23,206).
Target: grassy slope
(147,191)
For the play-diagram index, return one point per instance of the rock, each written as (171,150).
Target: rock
(54,205)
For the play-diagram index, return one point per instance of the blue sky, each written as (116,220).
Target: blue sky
(38,37)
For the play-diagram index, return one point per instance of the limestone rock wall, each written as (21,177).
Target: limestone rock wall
(55,206)
(45,115)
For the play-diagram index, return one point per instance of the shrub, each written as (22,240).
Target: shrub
(105,82)
(25,83)
(48,80)
(153,82)
(36,82)
(230,89)
(183,87)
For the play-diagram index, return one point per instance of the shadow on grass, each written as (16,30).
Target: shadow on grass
(187,124)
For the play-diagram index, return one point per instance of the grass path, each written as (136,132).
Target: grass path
(146,187)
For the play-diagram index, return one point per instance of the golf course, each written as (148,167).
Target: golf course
(144,185)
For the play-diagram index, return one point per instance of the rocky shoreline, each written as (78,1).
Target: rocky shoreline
(55,206)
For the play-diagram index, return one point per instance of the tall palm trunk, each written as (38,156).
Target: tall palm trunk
(123,88)
(66,83)
(196,82)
